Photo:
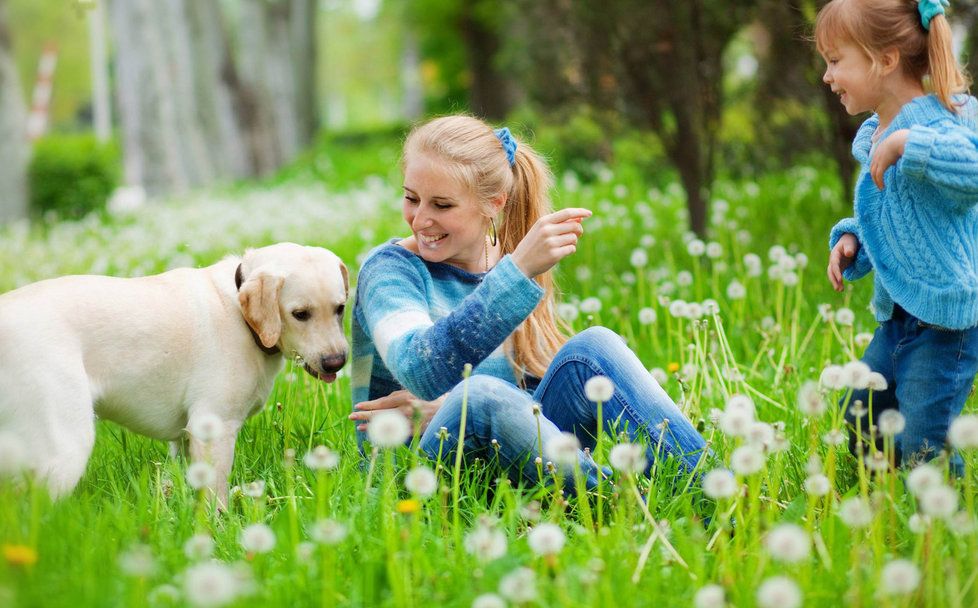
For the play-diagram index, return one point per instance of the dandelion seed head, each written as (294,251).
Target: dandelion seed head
(563,449)
(746,460)
(963,433)
(736,290)
(779,592)
(855,512)
(694,310)
(639,258)
(421,481)
(210,584)
(939,501)
(918,523)
(568,312)
(899,577)
(719,483)
(201,475)
(137,561)
(855,374)
(863,339)
(485,543)
(254,489)
(876,382)
(659,375)
(833,377)
(388,429)
(788,543)
(736,422)
(817,485)
(834,438)
(591,305)
(628,458)
(710,596)
(760,435)
(810,400)
(328,532)
(198,547)
(257,538)
(891,422)
(696,248)
(519,586)
(679,309)
(599,388)
(321,458)
(923,477)
(647,316)
(546,539)
(845,317)
(488,600)
(206,427)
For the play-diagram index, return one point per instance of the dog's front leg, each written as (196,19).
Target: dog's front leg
(219,453)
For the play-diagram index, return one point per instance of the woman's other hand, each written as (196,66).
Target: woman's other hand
(552,238)
(403,401)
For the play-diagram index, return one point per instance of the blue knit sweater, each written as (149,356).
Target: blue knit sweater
(416,324)
(920,233)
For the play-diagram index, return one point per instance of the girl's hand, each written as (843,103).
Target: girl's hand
(552,238)
(841,257)
(401,400)
(888,152)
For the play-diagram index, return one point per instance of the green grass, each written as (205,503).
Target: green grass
(765,345)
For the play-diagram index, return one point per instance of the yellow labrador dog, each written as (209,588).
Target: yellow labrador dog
(156,353)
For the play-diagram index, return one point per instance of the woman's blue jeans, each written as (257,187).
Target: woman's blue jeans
(929,371)
(498,410)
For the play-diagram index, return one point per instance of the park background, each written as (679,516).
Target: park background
(139,136)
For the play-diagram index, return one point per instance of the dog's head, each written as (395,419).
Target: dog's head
(293,298)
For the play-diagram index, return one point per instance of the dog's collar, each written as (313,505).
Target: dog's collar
(274,350)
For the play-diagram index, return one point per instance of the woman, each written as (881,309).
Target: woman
(472,284)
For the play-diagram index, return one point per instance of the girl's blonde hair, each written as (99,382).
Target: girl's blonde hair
(878,25)
(474,156)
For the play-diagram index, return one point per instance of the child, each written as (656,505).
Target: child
(471,283)
(916,209)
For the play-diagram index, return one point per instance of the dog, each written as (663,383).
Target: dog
(155,354)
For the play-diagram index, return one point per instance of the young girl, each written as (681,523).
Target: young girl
(916,208)
(472,284)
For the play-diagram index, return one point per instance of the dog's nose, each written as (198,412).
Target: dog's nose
(332,363)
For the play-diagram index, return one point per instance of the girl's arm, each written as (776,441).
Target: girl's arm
(945,156)
(426,357)
(862,264)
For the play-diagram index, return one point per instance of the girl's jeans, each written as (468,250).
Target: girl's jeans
(498,410)
(929,371)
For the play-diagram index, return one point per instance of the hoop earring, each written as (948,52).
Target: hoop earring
(493,236)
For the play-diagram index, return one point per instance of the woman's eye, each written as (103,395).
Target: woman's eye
(301,315)
(442,206)
(412,201)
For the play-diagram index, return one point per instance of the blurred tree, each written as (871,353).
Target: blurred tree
(14,151)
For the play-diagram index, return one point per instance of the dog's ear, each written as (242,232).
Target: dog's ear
(258,297)
(346,279)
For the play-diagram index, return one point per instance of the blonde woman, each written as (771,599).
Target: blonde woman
(472,284)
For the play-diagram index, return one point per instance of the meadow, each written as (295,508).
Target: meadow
(743,331)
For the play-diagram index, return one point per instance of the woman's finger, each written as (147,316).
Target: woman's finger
(577,213)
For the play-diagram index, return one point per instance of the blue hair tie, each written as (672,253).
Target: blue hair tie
(929,9)
(509,144)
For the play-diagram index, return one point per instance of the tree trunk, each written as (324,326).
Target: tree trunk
(491,92)
(14,151)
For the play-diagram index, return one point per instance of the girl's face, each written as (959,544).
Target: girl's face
(446,219)
(850,74)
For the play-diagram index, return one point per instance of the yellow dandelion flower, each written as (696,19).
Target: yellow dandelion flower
(408,505)
(673,367)
(19,555)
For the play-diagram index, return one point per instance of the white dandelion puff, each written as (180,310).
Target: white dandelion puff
(899,577)
(736,290)
(628,458)
(639,258)
(321,458)
(779,592)
(421,481)
(659,375)
(788,543)
(833,377)
(210,584)
(328,532)
(206,427)
(876,382)
(546,539)
(599,388)
(855,374)
(855,512)
(137,561)
(817,485)
(388,429)
(567,312)
(257,538)
(939,501)
(890,423)
(714,250)
(590,306)
(923,477)
(810,400)
(963,433)
(710,596)
(485,543)
(696,248)
(647,316)
(678,309)
(845,316)
(863,339)
(746,460)
(563,449)
(488,600)
(719,483)
(201,475)
(254,489)
(519,586)
(198,547)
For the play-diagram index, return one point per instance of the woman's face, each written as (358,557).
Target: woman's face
(446,219)
(850,74)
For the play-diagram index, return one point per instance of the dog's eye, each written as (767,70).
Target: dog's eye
(340,309)
(301,315)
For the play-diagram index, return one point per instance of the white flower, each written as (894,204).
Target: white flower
(855,374)
(696,248)
(486,543)
(710,307)
(137,561)
(835,437)
(923,477)
(206,427)
(740,402)
(776,252)
(201,475)
(567,312)
(939,501)
(876,382)
(918,523)
(659,375)
(788,543)
(628,458)
(719,483)
(321,458)
(963,433)
(801,260)
(421,481)
(899,577)
(13,455)
(639,258)
(779,592)
(684,278)
(678,308)
(388,429)
(198,547)
(736,422)
(845,316)
(647,316)
(694,310)
(789,278)
(714,250)
(760,435)
(488,600)
(817,485)
(746,460)
(562,449)
(710,596)
(210,584)
(863,339)
(590,306)
(810,400)
(519,586)
(599,388)
(736,291)
(254,489)
(855,512)
(304,551)
(833,377)
(257,538)
(327,532)
(891,422)
(546,539)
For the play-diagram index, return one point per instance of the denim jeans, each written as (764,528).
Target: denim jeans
(498,410)
(929,372)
